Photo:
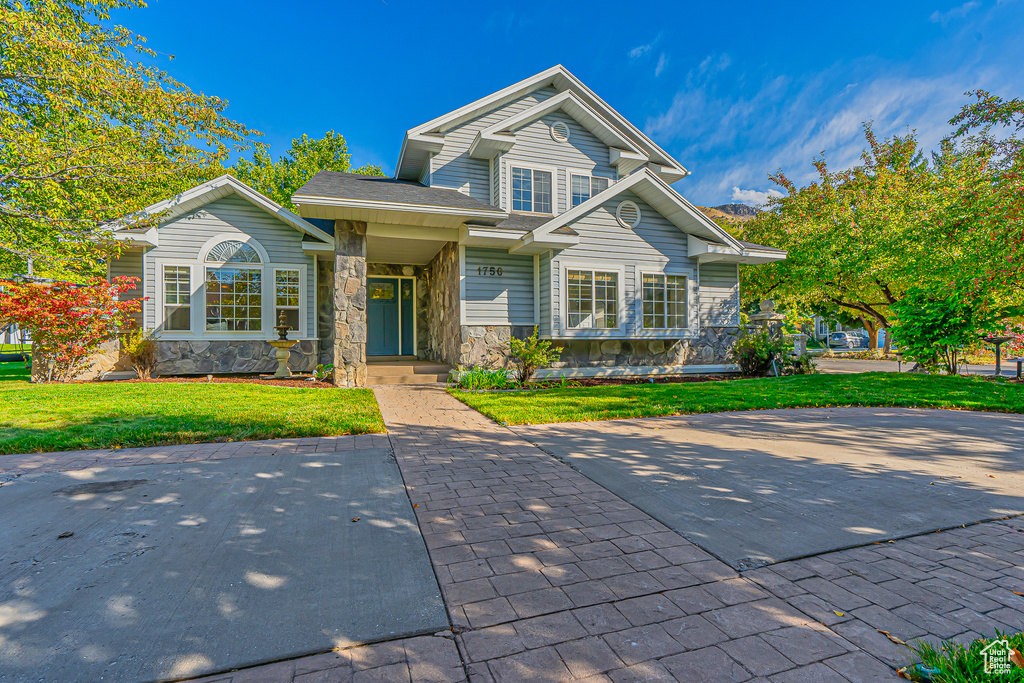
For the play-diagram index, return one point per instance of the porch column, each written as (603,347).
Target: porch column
(349,303)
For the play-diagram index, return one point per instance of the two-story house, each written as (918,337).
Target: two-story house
(536,206)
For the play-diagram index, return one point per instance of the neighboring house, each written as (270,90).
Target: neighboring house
(539,205)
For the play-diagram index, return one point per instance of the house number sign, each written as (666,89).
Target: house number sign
(488,270)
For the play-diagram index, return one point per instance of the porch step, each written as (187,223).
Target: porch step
(405,372)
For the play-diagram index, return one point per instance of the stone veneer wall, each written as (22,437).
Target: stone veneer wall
(325,310)
(210,357)
(422,297)
(487,345)
(713,346)
(444,335)
(349,303)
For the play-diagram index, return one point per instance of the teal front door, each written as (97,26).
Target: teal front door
(383,336)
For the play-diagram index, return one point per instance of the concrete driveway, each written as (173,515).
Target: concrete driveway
(845,366)
(153,572)
(766,486)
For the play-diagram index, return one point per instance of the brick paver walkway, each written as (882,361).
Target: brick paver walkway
(548,576)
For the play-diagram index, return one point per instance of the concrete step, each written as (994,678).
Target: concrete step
(415,367)
(405,379)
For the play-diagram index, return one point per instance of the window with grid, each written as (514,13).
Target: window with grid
(664,301)
(592,299)
(531,190)
(583,187)
(286,296)
(234,299)
(177,298)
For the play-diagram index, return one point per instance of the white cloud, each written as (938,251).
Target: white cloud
(753,197)
(958,12)
(661,65)
(640,50)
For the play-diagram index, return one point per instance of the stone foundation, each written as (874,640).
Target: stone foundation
(487,345)
(712,347)
(216,357)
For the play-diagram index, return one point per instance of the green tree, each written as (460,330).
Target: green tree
(90,135)
(307,156)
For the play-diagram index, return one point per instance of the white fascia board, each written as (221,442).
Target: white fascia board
(531,243)
(212,190)
(689,208)
(626,162)
(377,205)
(482,237)
(560,78)
(494,139)
(317,247)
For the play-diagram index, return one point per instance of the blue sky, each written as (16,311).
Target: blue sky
(733,90)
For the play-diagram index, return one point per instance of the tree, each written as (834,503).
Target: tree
(88,134)
(858,239)
(68,322)
(307,156)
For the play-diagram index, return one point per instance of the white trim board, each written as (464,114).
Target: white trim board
(637,371)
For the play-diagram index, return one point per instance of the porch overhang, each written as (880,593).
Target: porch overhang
(710,252)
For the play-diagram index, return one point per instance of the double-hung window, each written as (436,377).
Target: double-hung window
(583,187)
(177,298)
(664,301)
(234,290)
(531,190)
(592,298)
(286,295)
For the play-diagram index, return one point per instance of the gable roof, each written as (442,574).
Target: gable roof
(218,188)
(356,189)
(673,207)
(428,138)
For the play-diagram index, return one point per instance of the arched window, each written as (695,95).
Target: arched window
(233,251)
(234,293)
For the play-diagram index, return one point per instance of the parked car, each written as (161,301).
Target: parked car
(849,340)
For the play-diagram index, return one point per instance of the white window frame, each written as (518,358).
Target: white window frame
(692,303)
(198,267)
(526,165)
(570,172)
(563,300)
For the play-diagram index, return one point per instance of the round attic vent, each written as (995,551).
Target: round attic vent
(560,131)
(628,214)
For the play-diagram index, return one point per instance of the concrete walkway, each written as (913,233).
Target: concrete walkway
(548,576)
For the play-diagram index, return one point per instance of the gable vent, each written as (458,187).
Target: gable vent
(628,214)
(560,131)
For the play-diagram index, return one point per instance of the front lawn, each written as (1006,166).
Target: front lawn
(801,391)
(60,417)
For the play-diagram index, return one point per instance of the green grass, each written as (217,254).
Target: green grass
(801,391)
(60,417)
(951,662)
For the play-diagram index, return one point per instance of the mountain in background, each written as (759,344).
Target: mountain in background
(737,213)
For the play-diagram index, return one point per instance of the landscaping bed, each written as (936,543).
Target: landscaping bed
(85,415)
(579,404)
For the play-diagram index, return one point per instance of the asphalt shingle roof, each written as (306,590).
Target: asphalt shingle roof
(382,189)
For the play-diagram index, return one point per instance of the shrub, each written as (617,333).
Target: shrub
(531,354)
(934,329)
(323,372)
(482,378)
(68,322)
(754,351)
(138,344)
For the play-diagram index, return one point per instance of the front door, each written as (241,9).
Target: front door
(383,337)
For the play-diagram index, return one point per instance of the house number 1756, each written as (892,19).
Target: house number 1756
(488,270)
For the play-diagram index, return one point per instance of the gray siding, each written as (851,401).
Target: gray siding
(544,281)
(499,299)
(129,264)
(583,151)
(182,239)
(719,294)
(656,245)
(453,168)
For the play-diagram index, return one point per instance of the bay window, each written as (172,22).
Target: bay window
(592,298)
(664,301)
(531,190)
(583,187)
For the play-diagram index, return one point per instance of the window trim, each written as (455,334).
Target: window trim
(161,296)
(563,329)
(692,304)
(263,298)
(274,269)
(686,292)
(570,172)
(555,185)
